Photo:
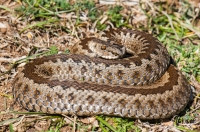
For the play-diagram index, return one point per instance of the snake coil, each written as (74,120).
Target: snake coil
(126,73)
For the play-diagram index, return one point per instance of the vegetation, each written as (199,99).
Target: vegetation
(174,24)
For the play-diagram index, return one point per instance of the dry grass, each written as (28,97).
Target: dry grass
(38,30)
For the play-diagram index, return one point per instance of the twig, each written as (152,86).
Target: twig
(74,126)
(170,21)
(2,59)
(72,120)
(4,45)
(16,124)
(195,108)
(48,10)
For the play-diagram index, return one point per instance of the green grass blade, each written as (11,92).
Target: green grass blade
(7,9)
(39,24)
(11,128)
(105,123)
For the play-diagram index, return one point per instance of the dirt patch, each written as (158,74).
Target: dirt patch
(15,46)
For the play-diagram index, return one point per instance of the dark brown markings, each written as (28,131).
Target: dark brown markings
(58,68)
(90,99)
(16,95)
(19,84)
(46,71)
(138,62)
(77,58)
(70,68)
(137,103)
(155,52)
(148,57)
(97,72)
(122,102)
(151,103)
(120,73)
(136,74)
(151,48)
(162,102)
(71,96)
(165,53)
(60,96)
(131,34)
(84,43)
(105,99)
(170,100)
(145,78)
(158,63)
(31,100)
(34,109)
(149,68)
(30,67)
(173,77)
(83,70)
(49,98)
(110,76)
(26,89)
(37,94)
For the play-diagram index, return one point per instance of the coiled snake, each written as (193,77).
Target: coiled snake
(125,73)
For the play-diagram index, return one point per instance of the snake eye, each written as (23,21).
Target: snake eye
(103,47)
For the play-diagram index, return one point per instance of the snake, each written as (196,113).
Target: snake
(124,73)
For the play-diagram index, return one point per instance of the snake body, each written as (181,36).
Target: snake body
(131,78)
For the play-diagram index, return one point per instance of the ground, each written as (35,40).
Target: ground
(31,29)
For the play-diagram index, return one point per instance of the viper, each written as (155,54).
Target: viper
(123,73)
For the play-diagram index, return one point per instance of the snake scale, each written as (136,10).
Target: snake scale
(124,73)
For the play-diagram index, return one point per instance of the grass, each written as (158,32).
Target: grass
(118,124)
(174,28)
(171,30)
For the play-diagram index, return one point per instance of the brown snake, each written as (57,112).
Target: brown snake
(130,77)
